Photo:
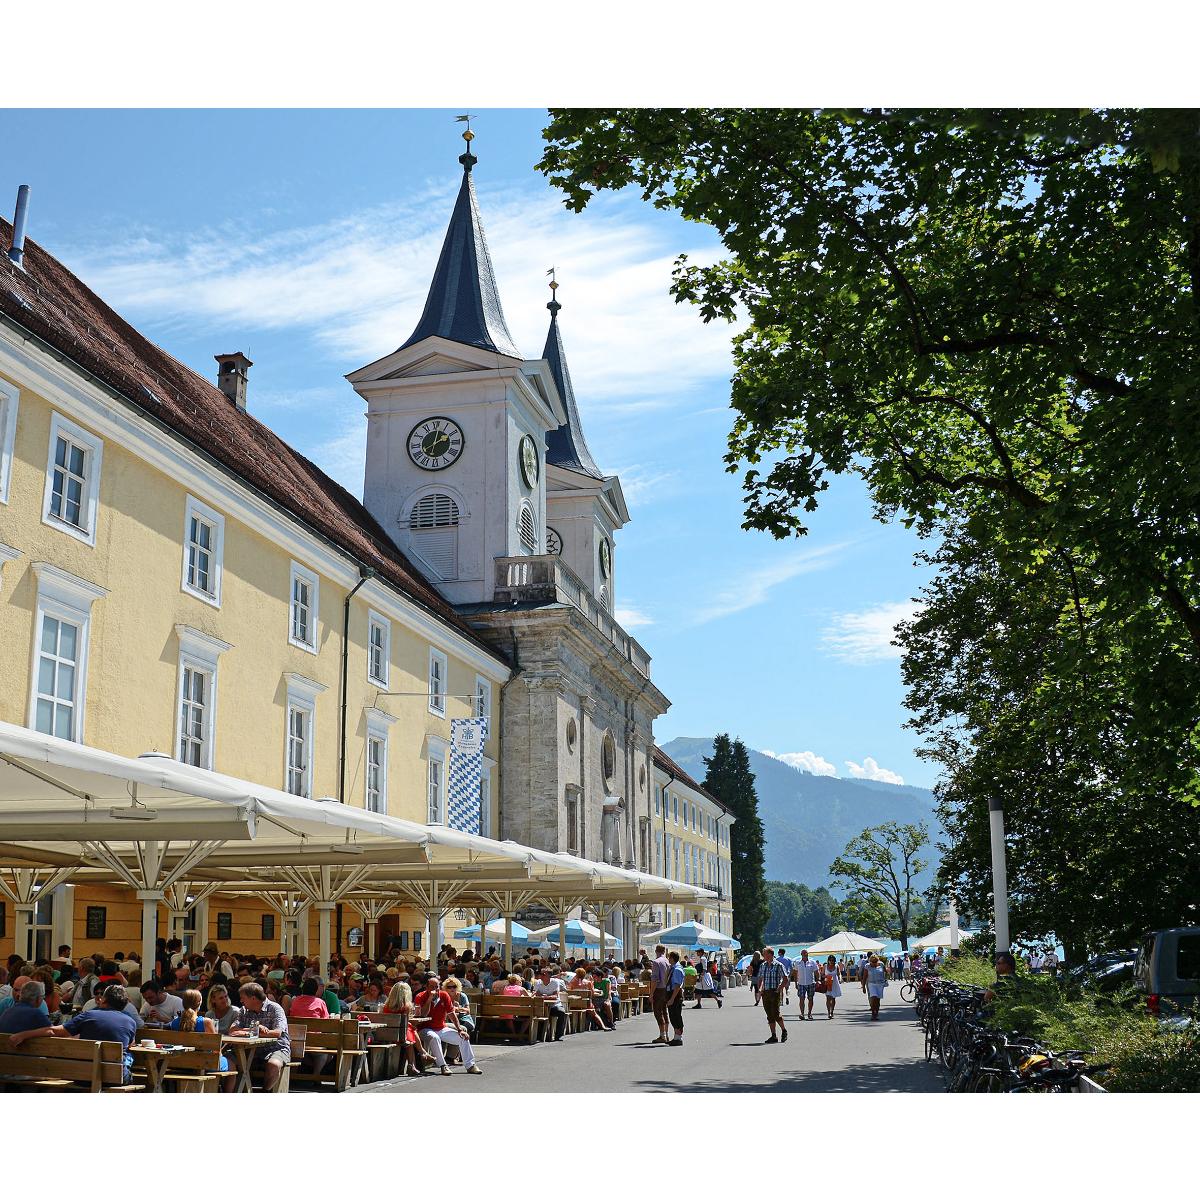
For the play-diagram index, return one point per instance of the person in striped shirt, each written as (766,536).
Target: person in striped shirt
(772,979)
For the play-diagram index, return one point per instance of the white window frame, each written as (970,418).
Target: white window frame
(9,400)
(65,597)
(377,621)
(482,704)
(314,607)
(201,511)
(674,808)
(437,700)
(379,724)
(198,651)
(438,752)
(93,449)
(374,741)
(302,696)
(485,798)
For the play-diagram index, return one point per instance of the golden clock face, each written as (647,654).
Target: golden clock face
(553,541)
(436,443)
(605,558)
(529,460)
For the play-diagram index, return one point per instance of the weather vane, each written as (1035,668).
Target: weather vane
(554,305)
(468,160)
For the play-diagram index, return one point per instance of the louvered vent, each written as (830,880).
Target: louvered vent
(527,529)
(433,533)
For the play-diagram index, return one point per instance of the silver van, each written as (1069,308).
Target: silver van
(1167,970)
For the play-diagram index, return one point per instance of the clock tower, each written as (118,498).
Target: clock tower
(457,423)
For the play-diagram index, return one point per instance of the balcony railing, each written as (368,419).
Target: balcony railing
(546,579)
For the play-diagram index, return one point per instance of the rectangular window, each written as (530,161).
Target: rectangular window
(195,717)
(437,767)
(572,825)
(268,927)
(687,866)
(483,700)
(299,750)
(58,678)
(404,939)
(203,551)
(376,775)
(675,847)
(304,594)
(8,435)
(437,682)
(224,926)
(72,480)
(379,637)
(658,802)
(97,922)
(675,809)
(658,853)
(416,939)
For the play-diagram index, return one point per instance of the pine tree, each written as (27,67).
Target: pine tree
(731,781)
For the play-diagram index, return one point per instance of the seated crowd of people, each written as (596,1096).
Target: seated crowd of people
(255,996)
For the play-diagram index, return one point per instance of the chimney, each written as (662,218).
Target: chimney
(232,376)
(17,253)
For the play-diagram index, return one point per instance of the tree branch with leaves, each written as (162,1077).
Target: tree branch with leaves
(876,873)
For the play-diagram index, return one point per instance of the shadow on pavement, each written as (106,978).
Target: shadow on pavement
(871,1078)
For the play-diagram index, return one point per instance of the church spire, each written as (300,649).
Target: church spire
(463,303)
(565,446)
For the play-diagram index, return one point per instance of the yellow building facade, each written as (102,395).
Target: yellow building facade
(151,601)
(692,844)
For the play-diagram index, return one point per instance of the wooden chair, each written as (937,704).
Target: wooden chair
(64,1064)
(385,1051)
(578,1006)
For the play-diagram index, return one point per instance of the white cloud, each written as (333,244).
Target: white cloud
(804,760)
(754,587)
(645,483)
(357,285)
(866,637)
(632,618)
(870,769)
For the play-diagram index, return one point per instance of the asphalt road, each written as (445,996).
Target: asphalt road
(723,1051)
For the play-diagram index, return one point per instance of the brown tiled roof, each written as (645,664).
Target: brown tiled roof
(670,765)
(48,301)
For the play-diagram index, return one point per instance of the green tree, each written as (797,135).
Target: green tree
(730,779)
(1021,693)
(876,872)
(798,913)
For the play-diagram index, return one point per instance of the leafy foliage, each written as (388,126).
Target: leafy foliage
(877,873)
(993,318)
(730,779)
(1114,1030)
(798,913)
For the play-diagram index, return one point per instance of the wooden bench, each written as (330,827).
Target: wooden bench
(579,1004)
(386,1048)
(342,1040)
(630,997)
(498,1011)
(198,1071)
(64,1064)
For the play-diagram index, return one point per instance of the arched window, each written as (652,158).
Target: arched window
(433,533)
(527,529)
(608,758)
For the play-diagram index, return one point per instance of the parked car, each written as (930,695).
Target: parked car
(1167,970)
(1107,971)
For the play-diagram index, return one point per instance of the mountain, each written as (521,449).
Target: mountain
(808,819)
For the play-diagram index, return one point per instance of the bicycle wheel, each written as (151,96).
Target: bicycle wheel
(908,993)
(988,1081)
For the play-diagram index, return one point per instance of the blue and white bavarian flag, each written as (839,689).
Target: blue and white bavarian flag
(467,736)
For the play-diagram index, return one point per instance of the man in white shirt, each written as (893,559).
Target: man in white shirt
(161,1007)
(552,988)
(1050,961)
(805,972)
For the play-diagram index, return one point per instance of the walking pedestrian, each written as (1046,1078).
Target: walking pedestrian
(660,975)
(806,972)
(877,982)
(675,998)
(786,963)
(755,966)
(772,979)
(706,987)
(833,986)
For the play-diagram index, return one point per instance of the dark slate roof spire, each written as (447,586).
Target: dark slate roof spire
(464,303)
(566,445)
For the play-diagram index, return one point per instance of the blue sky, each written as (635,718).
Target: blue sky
(307,239)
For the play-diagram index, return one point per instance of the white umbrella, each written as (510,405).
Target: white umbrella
(939,937)
(846,943)
(579,933)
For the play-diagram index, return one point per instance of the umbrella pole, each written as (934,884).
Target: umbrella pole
(562,937)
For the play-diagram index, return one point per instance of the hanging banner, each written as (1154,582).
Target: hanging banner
(467,737)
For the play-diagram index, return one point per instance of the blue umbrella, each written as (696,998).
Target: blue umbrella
(495,933)
(579,933)
(743,962)
(691,935)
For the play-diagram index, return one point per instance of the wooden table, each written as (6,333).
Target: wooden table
(243,1051)
(154,1059)
(363,1072)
